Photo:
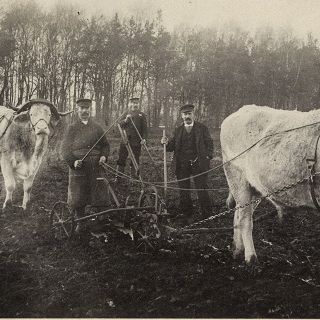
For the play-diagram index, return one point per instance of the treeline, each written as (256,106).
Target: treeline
(62,55)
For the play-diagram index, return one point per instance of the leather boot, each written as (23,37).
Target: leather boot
(78,213)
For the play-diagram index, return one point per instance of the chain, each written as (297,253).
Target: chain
(256,201)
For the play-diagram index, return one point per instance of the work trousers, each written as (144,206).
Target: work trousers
(201,182)
(123,154)
(84,188)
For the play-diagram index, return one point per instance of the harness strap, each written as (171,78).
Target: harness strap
(311,168)
(8,125)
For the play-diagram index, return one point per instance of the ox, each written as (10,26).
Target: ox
(285,141)
(23,142)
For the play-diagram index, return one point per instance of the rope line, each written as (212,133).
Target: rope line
(124,176)
(160,183)
(246,150)
(256,201)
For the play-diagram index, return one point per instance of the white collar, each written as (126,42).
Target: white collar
(189,125)
(85,121)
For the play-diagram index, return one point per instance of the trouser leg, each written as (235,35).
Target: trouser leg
(185,196)
(201,182)
(123,154)
(79,213)
(118,176)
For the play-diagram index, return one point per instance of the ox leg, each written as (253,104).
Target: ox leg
(241,194)
(27,185)
(238,246)
(281,212)
(243,222)
(9,182)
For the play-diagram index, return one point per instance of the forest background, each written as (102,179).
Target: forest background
(61,54)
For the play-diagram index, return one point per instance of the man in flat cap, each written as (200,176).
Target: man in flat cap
(79,139)
(193,148)
(135,139)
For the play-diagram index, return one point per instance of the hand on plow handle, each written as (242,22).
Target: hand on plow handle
(102,160)
(164,140)
(78,164)
(128,117)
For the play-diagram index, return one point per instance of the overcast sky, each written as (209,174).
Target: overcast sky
(301,15)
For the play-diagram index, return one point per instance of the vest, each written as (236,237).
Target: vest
(188,149)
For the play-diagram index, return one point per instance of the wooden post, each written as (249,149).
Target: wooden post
(165,171)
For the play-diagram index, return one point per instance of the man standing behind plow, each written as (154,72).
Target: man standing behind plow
(135,125)
(84,169)
(193,149)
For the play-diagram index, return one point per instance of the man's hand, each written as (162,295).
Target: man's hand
(78,164)
(143,142)
(102,159)
(127,117)
(164,140)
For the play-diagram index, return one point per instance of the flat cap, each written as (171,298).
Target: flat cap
(187,107)
(84,102)
(134,99)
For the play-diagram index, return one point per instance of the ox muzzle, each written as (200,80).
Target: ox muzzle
(41,127)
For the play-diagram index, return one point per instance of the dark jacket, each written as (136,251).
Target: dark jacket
(140,121)
(82,137)
(204,146)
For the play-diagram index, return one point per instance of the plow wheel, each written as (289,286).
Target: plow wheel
(148,228)
(150,197)
(147,233)
(61,221)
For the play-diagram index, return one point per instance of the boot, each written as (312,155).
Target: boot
(117,177)
(78,213)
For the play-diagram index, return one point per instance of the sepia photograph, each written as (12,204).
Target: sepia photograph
(159,159)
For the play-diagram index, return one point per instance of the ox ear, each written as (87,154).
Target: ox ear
(22,117)
(54,121)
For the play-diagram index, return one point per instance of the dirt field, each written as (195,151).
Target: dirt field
(190,276)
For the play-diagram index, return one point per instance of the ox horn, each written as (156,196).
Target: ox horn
(62,114)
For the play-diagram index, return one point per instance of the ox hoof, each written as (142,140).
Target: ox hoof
(252,261)
(7,208)
(237,253)
(26,210)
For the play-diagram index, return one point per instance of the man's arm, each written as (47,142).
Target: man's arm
(171,143)
(124,121)
(66,148)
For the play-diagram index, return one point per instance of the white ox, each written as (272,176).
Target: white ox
(273,163)
(23,143)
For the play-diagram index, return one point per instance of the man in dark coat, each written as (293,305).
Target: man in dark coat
(193,148)
(135,141)
(80,137)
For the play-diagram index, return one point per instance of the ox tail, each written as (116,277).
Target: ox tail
(231,203)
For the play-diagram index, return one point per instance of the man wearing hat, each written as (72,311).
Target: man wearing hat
(135,141)
(193,148)
(79,139)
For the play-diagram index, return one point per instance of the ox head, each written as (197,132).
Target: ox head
(41,113)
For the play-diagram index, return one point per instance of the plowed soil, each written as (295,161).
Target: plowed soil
(103,273)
